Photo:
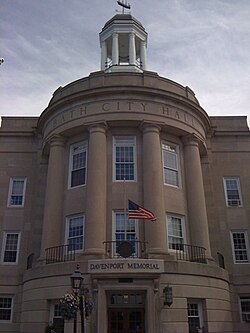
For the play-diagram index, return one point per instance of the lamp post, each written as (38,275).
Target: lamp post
(76,284)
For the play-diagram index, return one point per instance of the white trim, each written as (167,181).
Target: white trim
(114,212)
(52,303)
(200,310)
(230,202)
(183,228)
(11,309)
(83,143)
(68,218)
(12,179)
(243,231)
(177,170)
(134,144)
(5,233)
(246,298)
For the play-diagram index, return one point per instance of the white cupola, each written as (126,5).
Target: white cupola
(123,42)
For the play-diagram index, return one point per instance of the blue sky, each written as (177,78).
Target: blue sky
(204,44)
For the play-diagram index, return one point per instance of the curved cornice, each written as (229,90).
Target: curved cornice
(100,87)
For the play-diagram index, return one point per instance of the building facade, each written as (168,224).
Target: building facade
(66,177)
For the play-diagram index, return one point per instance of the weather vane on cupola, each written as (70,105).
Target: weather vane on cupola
(124,4)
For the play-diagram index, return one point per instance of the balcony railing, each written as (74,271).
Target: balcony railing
(60,254)
(125,249)
(190,253)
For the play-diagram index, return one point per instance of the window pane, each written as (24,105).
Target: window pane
(231,184)
(75,233)
(17,192)
(5,308)
(79,160)
(78,177)
(17,187)
(170,165)
(170,160)
(175,233)
(125,229)
(124,158)
(232,189)
(194,320)
(11,244)
(240,247)
(245,308)
(171,177)
(78,165)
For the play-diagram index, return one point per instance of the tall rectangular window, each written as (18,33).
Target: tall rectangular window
(195,316)
(78,164)
(240,246)
(245,308)
(124,154)
(75,232)
(10,249)
(232,191)
(56,318)
(124,229)
(176,232)
(16,192)
(170,154)
(5,308)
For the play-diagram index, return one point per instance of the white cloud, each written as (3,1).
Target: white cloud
(202,44)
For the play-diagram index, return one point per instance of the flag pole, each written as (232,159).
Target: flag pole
(125,209)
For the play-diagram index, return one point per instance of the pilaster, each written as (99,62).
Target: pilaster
(95,230)
(197,214)
(115,49)
(143,51)
(153,190)
(132,50)
(104,55)
(53,210)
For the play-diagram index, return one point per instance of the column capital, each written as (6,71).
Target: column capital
(57,140)
(150,127)
(131,34)
(191,140)
(115,35)
(99,127)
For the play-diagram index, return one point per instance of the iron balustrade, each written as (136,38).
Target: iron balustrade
(60,253)
(138,248)
(183,252)
(190,253)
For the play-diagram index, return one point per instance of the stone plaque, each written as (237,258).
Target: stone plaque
(126,266)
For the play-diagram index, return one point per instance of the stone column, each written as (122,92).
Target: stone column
(95,228)
(156,234)
(53,211)
(197,215)
(132,51)
(143,51)
(115,49)
(104,56)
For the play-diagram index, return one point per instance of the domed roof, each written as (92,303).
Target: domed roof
(123,19)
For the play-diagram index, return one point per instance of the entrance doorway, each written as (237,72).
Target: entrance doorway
(126,313)
(126,321)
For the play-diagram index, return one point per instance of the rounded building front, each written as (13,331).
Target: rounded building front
(122,134)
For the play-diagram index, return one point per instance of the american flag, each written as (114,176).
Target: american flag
(137,212)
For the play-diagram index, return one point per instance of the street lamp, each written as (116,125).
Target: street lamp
(76,284)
